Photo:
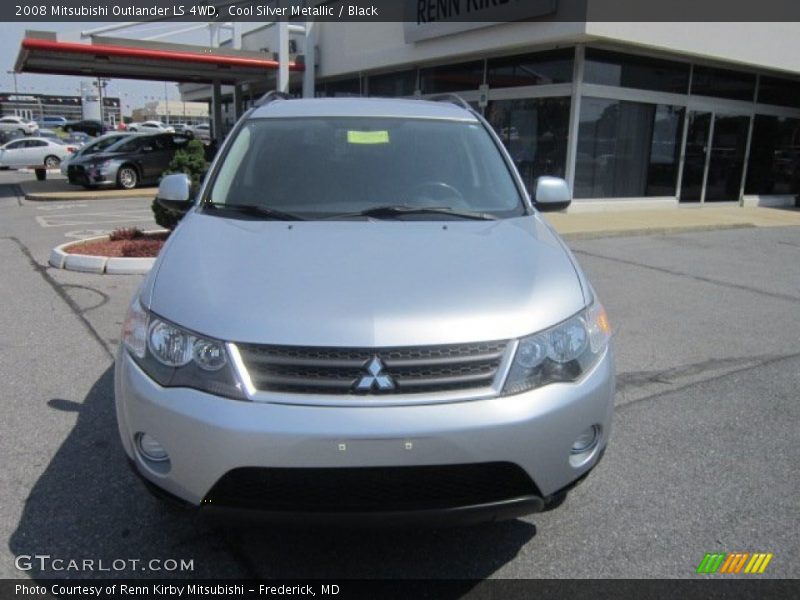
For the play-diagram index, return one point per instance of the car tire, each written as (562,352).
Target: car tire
(22,131)
(127,177)
(52,162)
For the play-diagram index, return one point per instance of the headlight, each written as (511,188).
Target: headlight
(562,353)
(175,357)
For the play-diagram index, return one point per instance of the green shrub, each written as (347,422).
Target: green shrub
(192,161)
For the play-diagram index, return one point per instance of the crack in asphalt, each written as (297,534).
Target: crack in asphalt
(763,361)
(634,379)
(58,289)
(104,298)
(726,284)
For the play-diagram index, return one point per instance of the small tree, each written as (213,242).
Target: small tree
(192,161)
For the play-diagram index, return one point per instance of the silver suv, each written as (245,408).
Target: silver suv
(363,315)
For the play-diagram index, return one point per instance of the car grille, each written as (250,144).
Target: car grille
(315,370)
(370,489)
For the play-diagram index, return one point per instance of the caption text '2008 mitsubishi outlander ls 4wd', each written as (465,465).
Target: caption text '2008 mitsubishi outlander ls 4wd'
(362,315)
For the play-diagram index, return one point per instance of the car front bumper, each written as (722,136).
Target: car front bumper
(207,437)
(90,175)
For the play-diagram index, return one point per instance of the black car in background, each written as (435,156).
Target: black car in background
(88,126)
(134,160)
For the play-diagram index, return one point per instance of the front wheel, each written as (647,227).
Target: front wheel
(127,177)
(52,162)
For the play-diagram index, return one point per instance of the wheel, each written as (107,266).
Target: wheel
(127,177)
(22,131)
(52,162)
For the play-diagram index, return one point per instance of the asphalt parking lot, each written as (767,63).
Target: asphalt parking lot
(703,457)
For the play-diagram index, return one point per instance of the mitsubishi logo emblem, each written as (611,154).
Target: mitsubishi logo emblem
(375,378)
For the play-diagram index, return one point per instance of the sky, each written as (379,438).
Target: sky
(133,93)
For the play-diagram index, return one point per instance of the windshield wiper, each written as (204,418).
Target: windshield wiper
(394,210)
(256,211)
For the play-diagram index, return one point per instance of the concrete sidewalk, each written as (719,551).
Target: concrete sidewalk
(672,220)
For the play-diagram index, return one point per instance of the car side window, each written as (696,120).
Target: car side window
(16,145)
(36,143)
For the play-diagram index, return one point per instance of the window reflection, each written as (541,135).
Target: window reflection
(627,149)
(774,166)
(535,132)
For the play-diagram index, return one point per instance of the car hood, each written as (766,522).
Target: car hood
(363,283)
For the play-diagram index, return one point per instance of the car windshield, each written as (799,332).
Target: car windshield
(101,144)
(126,144)
(325,167)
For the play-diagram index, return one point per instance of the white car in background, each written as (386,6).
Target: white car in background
(18,124)
(202,132)
(151,127)
(29,151)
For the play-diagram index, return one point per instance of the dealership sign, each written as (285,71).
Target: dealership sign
(426,19)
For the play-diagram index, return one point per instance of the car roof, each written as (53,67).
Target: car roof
(363,107)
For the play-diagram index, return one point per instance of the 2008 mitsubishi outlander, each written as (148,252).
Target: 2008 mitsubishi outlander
(362,315)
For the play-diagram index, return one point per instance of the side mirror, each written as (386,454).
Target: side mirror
(551,193)
(174,193)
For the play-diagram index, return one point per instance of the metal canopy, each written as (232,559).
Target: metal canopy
(137,60)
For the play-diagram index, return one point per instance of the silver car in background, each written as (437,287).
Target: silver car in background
(362,316)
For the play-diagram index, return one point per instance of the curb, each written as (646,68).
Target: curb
(111,265)
(591,235)
(81,196)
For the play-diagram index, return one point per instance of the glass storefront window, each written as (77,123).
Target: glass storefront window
(340,89)
(452,78)
(625,70)
(542,68)
(721,83)
(534,130)
(627,149)
(391,85)
(774,166)
(783,92)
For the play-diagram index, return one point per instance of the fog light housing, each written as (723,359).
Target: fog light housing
(586,441)
(150,448)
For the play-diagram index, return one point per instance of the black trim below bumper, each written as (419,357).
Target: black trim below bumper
(442,517)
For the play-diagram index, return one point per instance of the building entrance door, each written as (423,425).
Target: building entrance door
(695,155)
(714,157)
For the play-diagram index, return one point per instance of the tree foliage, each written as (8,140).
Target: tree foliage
(191,161)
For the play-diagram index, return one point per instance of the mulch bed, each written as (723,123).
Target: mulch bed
(145,245)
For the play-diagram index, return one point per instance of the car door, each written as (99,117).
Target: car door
(14,153)
(155,158)
(36,150)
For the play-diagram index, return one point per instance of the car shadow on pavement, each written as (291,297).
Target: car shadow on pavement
(87,505)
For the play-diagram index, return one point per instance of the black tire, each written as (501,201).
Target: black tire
(52,162)
(127,177)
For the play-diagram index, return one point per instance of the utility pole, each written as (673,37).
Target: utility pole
(166,102)
(14,73)
(101,84)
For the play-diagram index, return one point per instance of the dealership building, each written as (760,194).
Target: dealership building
(631,114)
(636,114)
